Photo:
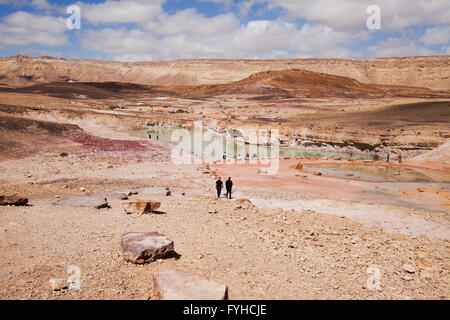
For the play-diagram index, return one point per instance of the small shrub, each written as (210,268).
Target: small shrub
(63,154)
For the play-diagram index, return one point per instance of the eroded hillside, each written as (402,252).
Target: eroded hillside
(428,72)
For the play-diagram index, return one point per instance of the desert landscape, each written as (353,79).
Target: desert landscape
(358,207)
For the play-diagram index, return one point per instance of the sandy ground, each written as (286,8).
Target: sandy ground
(317,248)
(304,236)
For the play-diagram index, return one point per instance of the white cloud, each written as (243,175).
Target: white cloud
(257,39)
(122,11)
(331,27)
(394,47)
(245,6)
(436,35)
(226,3)
(351,14)
(120,41)
(189,21)
(23,28)
(15,3)
(41,4)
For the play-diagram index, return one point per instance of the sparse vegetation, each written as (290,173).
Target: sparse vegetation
(179,111)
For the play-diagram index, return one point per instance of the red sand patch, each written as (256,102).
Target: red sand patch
(103,144)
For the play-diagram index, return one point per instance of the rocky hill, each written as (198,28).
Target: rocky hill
(299,83)
(282,84)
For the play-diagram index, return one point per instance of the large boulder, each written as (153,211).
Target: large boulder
(177,285)
(83,201)
(13,201)
(143,247)
(140,206)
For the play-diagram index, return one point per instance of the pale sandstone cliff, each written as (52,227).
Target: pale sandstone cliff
(429,72)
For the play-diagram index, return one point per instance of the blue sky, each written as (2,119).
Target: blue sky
(153,30)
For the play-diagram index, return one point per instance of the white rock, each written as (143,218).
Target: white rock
(58,284)
(409,268)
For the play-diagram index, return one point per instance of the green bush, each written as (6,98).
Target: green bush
(63,154)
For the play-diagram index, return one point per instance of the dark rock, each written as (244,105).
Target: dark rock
(13,201)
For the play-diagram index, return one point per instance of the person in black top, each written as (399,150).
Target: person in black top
(229,185)
(219,186)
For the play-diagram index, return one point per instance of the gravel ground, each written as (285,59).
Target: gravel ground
(259,253)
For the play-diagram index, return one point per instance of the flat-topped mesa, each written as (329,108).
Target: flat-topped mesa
(429,72)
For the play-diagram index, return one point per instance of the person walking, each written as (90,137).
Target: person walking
(388,157)
(219,186)
(229,186)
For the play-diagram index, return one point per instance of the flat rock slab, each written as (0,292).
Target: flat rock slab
(143,247)
(140,206)
(177,285)
(13,201)
(172,193)
(152,190)
(109,195)
(83,201)
(128,192)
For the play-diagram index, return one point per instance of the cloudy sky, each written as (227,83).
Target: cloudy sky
(151,30)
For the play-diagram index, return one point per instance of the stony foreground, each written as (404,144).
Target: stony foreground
(257,253)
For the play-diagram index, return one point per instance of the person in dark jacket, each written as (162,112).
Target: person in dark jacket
(219,186)
(229,186)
